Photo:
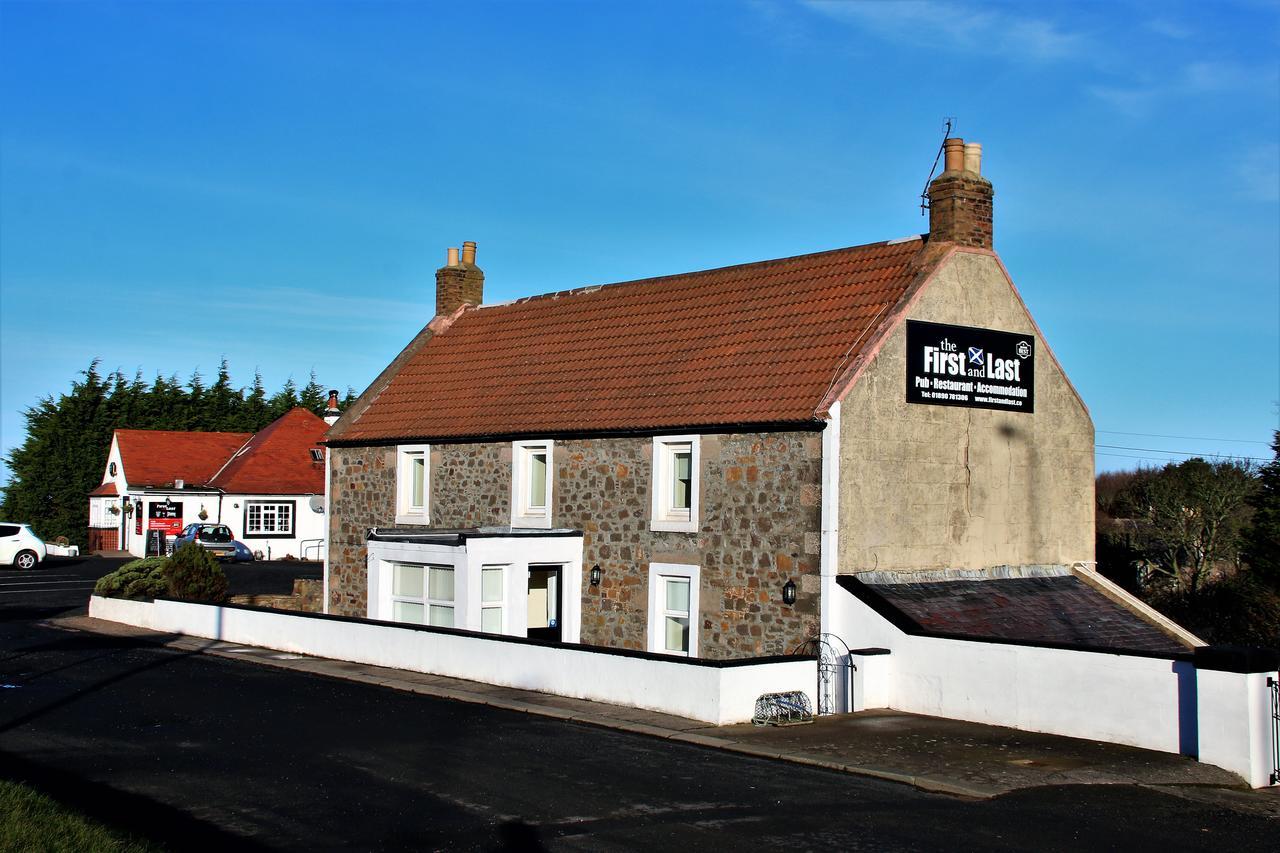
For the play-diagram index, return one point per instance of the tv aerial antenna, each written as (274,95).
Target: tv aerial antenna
(951,123)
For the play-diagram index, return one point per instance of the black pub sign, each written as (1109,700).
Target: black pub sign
(974,368)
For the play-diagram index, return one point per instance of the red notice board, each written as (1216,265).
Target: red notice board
(165,516)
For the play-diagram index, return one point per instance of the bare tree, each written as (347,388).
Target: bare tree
(1189,519)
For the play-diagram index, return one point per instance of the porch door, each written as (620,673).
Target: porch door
(544,602)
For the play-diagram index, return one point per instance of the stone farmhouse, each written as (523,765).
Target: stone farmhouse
(857,445)
(268,487)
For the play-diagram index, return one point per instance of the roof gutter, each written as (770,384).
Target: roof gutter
(807,425)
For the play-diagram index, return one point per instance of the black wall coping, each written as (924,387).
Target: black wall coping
(1245,659)
(907,625)
(443,537)
(503,638)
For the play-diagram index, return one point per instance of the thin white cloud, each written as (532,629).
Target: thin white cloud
(1259,172)
(1168,28)
(179,179)
(962,27)
(1194,79)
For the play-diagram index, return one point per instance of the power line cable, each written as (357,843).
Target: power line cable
(1180,452)
(1186,437)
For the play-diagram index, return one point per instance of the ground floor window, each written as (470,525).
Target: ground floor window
(673,609)
(422,595)
(268,519)
(492,597)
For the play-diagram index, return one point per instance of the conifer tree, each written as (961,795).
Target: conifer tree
(68,438)
(1262,538)
(313,397)
(283,401)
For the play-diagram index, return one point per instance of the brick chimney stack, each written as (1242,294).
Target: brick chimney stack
(331,411)
(459,280)
(960,198)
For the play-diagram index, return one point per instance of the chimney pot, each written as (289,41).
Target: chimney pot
(973,157)
(469,252)
(953,156)
(452,257)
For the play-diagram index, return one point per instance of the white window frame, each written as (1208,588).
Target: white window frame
(406,512)
(425,599)
(522,514)
(500,604)
(658,572)
(259,533)
(663,516)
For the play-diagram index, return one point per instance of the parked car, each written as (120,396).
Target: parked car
(243,554)
(20,547)
(214,538)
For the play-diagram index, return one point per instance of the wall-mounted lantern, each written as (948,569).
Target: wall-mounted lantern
(595,575)
(789,593)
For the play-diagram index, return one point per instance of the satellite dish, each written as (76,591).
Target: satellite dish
(317,503)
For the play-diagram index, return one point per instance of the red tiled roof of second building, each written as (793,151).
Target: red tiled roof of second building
(157,458)
(277,460)
(756,343)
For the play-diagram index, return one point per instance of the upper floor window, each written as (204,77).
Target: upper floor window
(531,479)
(413,483)
(675,483)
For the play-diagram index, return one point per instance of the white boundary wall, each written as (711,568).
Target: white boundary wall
(714,694)
(1149,702)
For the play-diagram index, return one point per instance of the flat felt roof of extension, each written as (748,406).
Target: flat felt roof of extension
(458,535)
(758,343)
(1059,611)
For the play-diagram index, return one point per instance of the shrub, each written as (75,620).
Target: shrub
(136,579)
(193,574)
(1237,610)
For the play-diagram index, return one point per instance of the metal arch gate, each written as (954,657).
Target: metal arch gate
(835,672)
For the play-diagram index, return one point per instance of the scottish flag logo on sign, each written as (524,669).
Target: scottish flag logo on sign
(975,356)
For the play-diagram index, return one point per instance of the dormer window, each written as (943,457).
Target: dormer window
(413,483)
(532,466)
(674,502)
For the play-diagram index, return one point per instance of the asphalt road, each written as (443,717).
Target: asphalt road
(205,752)
(61,585)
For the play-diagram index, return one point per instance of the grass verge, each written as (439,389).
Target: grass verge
(31,821)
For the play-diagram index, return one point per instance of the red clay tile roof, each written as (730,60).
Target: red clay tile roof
(757,343)
(277,461)
(106,490)
(156,458)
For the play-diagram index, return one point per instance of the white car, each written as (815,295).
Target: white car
(20,547)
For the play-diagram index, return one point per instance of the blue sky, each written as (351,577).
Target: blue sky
(276,183)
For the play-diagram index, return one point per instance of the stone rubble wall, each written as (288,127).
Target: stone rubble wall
(760,526)
(307,597)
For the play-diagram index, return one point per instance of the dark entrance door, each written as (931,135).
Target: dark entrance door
(545,592)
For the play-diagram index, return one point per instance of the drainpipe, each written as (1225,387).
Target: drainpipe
(328,529)
(829,563)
